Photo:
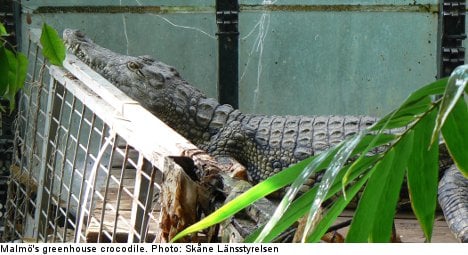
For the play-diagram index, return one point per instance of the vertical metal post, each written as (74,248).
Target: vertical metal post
(140,196)
(17,19)
(227,17)
(42,195)
(452,52)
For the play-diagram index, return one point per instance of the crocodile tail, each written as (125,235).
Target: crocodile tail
(453,200)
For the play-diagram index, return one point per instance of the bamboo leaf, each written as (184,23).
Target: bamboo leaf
(53,46)
(297,209)
(337,208)
(455,135)
(423,172)
(339,160)
(373,218)
(381,139)
(454,90)
(292,191)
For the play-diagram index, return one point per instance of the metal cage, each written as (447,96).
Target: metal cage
(83,170)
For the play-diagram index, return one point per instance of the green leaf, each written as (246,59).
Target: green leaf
(358,176)
(328,178)
(313,167)
(435,88)
(423,171)
(21,70)
(405,115)
(416,103)
(381,139)
(455,133)
(297,209)
(53,47)
(336,209)
(373,218)
(18,65)
(3,31)
(454,90)
(302,204)
(4,69)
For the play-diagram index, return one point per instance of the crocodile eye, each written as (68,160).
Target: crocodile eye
(132,65)
(135,67)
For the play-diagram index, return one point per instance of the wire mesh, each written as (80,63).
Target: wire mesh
(75,178)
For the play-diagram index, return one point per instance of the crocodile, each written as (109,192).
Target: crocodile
(263,144)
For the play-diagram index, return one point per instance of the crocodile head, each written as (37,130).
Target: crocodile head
(141,78)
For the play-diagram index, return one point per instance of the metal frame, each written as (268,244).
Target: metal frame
(453,32)
(227,19)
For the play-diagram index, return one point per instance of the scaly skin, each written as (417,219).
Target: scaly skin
(453,199)
(263,144)
(267,144)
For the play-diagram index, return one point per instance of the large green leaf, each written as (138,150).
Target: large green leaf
(382,195)
(455,133)
(373,218)
(423,172)
(358,177)
(53,47)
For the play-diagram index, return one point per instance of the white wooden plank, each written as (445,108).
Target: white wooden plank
(144,121)
(149,145)
(97,83)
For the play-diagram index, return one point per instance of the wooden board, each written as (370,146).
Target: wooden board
(116,223)
(409,230)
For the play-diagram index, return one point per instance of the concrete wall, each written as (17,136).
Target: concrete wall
(296,57)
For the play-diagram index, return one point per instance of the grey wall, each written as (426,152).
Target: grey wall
(192,52)
(353,57)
